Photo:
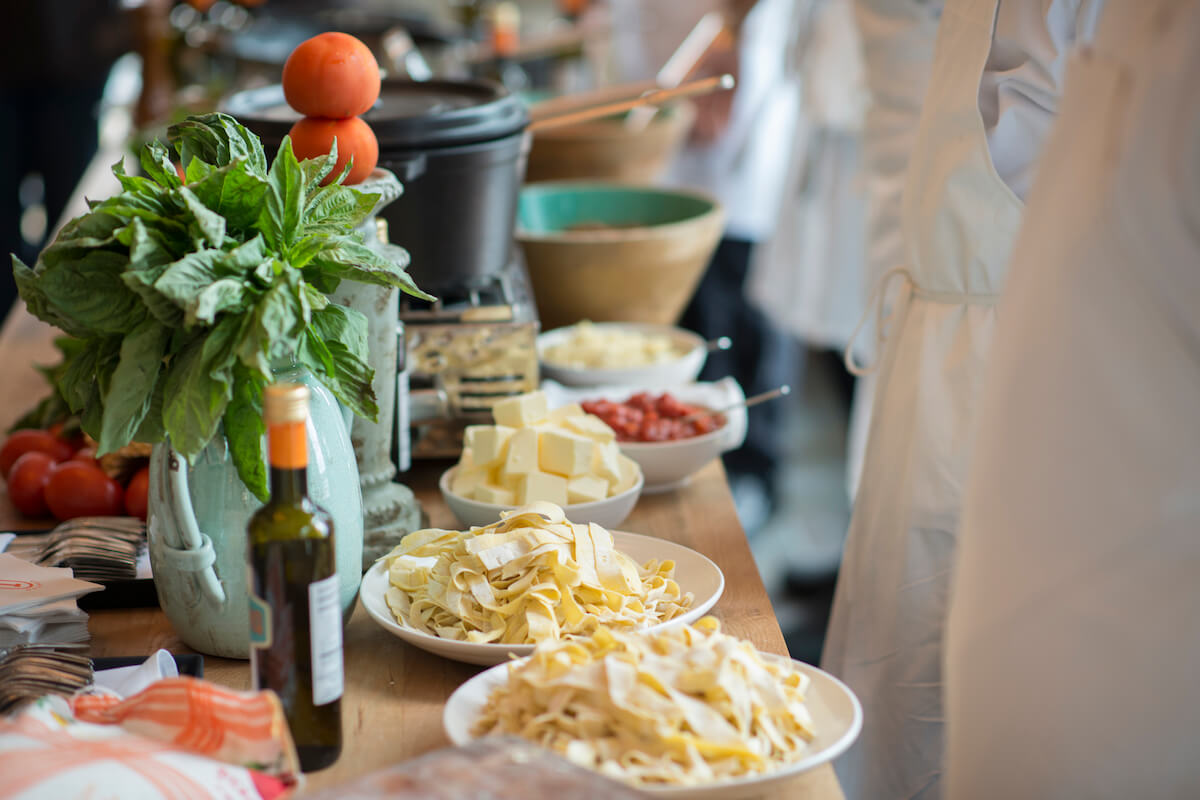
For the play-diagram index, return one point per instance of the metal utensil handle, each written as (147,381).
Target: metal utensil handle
(753,400)
(717,83)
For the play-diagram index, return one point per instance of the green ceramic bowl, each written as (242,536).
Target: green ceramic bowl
(612,252)
(557,209)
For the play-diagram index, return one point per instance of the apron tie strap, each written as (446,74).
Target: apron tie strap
(876,302)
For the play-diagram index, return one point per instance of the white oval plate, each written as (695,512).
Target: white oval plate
(837,718)
(694,573)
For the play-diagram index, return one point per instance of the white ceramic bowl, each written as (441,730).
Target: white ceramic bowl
(607,513)
(684,369)
(694,573)
(836,713)
(669,465)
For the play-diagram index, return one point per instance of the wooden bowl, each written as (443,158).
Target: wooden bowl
(606,150)
(615,253)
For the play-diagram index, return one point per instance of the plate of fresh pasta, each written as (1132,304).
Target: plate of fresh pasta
(682,712)
(490,593)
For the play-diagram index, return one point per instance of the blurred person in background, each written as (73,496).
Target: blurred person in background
(55,56)
(1073,642)
(807,277)
(992,95)
(739,152)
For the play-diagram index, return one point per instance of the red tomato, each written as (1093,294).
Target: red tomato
(76,489)
(137,494)
(27,483)
(86,455)
(22,442)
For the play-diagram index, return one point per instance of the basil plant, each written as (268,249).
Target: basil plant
(180,294)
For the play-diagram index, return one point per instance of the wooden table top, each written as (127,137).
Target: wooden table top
(395,692)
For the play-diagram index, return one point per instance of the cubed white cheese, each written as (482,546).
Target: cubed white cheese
(542,486)
(467,479)
(629,474)
(562,412)
(564,453)
(494,494)
(606,463)
(522,410)
(487,443)
(522,452)
(591,426)
(586,489)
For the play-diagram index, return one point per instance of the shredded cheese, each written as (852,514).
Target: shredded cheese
(530,577)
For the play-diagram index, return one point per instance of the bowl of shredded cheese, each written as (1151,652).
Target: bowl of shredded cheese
(621,354)
(683,712)
(487,594)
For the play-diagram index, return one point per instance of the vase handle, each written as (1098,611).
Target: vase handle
(195,553)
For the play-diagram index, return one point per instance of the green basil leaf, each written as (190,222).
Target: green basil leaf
(182,281)
(148,260)
(133,381)
(315,355)
(355,261)
(83,297)
(315,169)
(245,431)
(280,218)
(199,385)
(90,230)
(316,299)
(156,163)
(232,191)
(217,139)
(336,209)
(343,331)
(152,430)
(274,326)
(209,224)
(79,377)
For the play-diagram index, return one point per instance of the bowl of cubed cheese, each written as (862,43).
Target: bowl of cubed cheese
(565,456)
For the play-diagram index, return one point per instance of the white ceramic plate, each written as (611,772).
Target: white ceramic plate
(837,718)
(681,370)
(694,573)
(607,513)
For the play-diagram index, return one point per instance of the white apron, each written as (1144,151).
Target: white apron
(885,632)
(1073,643)
(897,43)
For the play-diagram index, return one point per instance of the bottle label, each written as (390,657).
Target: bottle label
(325,632)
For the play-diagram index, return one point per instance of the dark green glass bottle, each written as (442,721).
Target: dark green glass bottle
(295,613)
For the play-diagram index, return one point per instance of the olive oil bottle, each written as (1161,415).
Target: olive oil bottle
(295,613)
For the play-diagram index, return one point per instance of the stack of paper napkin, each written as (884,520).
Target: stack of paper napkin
(37,604)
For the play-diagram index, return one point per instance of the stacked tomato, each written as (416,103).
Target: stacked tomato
(331,79)
(648,418)
(49,473)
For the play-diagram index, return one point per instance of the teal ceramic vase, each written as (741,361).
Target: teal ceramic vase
(197,525)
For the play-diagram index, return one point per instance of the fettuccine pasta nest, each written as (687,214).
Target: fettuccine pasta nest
(685,706)
(531,577)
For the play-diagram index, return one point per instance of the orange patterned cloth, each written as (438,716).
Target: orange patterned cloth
(245,728)
(179,739)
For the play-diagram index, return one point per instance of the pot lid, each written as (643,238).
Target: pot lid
(408,114)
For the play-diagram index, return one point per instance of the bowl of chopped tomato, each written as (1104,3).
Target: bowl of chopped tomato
(670,432)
